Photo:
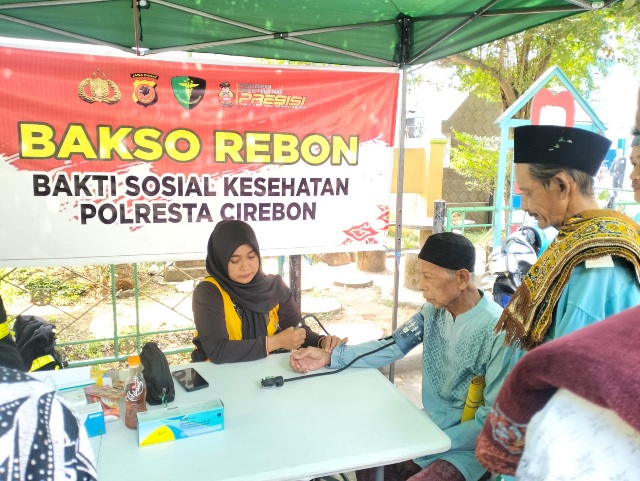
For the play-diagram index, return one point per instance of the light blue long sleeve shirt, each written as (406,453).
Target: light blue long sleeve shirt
(591,295)
(454,351)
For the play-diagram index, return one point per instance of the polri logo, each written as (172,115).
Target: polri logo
(101,89)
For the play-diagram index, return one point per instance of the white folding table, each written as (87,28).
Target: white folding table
(308,428)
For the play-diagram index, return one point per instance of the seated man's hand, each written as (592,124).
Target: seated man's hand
(309,359)
(329,343)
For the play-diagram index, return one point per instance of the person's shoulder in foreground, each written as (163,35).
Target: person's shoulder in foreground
(555,168)
(41,437)
(591,375)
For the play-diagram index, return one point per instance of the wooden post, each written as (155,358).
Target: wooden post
(439,216)
(371,261)
(411,272)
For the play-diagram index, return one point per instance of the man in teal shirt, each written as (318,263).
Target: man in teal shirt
(456,328)
(592,268)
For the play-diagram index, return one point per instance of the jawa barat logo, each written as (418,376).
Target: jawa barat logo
(101,89)
(188,91)
(225,96)
(144,88)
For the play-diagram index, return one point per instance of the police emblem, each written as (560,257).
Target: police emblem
(225,96)
(101,89)
(144,89)
(188,90)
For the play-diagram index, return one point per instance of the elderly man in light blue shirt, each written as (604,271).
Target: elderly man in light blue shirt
(456,329)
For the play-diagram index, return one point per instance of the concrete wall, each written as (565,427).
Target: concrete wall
(426,180)
(457,194)
(422,183)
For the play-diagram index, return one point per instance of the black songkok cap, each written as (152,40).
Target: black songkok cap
(449,250)
(566,146)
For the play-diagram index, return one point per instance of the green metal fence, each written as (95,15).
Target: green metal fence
(123,306)
(103,313)
(457,216)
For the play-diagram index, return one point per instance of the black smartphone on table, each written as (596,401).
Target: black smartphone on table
(190,379)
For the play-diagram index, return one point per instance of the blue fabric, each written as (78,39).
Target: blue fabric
(592,294)
(454,351)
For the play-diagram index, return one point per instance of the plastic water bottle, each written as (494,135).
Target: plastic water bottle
(135,393)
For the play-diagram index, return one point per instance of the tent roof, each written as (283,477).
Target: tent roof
(347,32)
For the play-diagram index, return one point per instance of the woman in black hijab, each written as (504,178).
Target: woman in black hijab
(242,314)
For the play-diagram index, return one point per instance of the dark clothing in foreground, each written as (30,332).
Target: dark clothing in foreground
(9,354)
(40,436)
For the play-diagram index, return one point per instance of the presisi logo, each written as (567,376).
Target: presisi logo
(144,89)
(188,90)
(101,89)
(263,95)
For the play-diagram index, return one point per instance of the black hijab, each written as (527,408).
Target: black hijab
(260,295)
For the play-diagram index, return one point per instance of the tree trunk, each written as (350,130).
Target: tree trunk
(371,261)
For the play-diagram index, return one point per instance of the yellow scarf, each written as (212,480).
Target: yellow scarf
(589,235)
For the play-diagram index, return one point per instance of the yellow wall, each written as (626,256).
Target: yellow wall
(422,173)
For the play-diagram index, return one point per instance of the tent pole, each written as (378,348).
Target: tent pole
(399,190)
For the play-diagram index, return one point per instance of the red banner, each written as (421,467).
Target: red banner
(126,159)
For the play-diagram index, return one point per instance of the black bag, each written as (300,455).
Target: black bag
(36,341)
(157,376)
(9,354)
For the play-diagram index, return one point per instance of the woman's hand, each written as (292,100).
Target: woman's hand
(290,339)
(329,343)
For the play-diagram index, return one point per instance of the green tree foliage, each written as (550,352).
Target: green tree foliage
(501,71)
(476,158)
(580,45)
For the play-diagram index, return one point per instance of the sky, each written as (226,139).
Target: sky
(615,101)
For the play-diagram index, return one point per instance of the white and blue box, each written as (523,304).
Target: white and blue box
(92,418)
(177,422)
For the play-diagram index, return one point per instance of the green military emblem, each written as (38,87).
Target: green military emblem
(188,91)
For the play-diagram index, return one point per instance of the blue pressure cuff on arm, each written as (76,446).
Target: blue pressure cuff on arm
(409,335)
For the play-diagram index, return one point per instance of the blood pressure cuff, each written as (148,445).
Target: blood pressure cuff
(410,334)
